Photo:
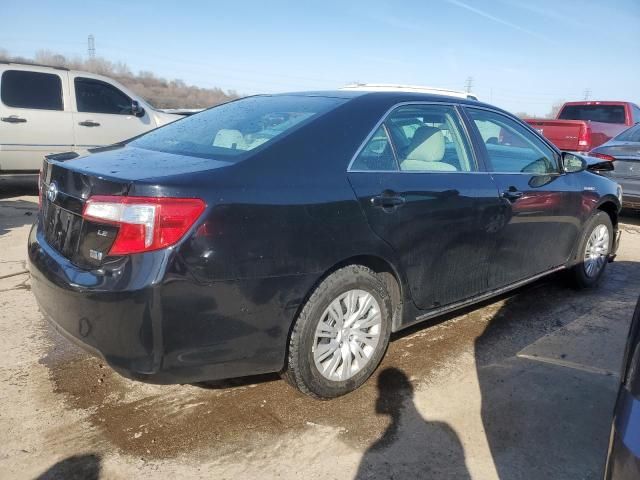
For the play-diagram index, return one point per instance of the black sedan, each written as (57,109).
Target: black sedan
(294,233)
(624,152)
(623,462)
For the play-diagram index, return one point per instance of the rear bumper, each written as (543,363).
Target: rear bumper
(152,322)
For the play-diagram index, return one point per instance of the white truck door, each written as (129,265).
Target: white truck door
(104,113)
(35,118)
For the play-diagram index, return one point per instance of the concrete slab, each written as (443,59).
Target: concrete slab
(473,407)
(592,343)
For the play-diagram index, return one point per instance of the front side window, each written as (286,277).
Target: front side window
(94,96)
(231,130)
(21,89)
(511,147)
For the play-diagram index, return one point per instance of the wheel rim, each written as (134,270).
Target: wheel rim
(347,335)
(596,251)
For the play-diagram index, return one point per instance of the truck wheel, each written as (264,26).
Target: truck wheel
(593,251)
(340,335)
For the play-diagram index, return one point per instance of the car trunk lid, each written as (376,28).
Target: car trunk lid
(67,182)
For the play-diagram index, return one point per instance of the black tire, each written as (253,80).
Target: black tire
(579,276)
(300,370)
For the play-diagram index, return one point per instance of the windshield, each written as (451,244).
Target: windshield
(231,130)
(594,113)
(631,135)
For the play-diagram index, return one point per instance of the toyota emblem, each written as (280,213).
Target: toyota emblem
(52,191)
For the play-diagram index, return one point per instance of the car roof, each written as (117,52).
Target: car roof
(391,96)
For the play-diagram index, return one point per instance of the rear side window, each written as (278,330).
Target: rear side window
(377,154)
(429,138)
(42,91)
(418,138)
(594,113)
(630,135)
(235,128)
(94,96)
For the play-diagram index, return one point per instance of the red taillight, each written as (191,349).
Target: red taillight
(603,156)
(584,139)
(145,223)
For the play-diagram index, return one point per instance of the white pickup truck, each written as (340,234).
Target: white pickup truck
(45,110)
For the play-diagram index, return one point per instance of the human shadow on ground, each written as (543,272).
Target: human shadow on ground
(411,446)
(77,467)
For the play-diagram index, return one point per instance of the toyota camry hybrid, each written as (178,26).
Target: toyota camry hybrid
(294,233)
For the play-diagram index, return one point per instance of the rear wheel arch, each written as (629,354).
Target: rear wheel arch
(389,276)
(382,268)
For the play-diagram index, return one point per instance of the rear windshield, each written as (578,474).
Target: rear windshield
(231,130)
(595,113)
(631,135)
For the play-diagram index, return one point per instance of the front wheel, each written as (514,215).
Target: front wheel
(340,335)
(593,250)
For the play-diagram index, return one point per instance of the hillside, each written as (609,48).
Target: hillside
(158,91)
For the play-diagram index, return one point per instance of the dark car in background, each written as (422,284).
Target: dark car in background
(293,233)
(624,152)
(623,462)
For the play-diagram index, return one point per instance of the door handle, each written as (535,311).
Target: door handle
(512,194)
(14,119)
(387,201)
(89,123)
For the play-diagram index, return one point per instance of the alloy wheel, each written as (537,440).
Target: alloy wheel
(596,251)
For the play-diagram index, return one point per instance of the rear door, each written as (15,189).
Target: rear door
(35,118)
(540,202)
(424,193)
(103,113)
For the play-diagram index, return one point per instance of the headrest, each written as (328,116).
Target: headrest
(427,145)
(227,138)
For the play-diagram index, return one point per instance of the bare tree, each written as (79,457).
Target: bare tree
(555,108)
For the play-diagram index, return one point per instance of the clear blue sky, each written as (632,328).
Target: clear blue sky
(522,54)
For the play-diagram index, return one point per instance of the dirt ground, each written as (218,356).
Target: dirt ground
(521,387)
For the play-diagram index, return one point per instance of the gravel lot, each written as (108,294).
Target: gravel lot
(519,387)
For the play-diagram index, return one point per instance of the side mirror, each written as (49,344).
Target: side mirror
(137,109)
(572,163)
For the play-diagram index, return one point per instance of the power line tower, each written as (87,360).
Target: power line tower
(91,46)
(587,93)
(468,84)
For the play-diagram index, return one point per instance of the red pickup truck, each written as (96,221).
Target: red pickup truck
(581,126)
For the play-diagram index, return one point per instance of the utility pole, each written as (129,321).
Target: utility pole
(468,84)
(91,46)
(587,93)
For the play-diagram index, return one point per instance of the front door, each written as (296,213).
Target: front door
(421,188)
(540,227)
(104,114)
